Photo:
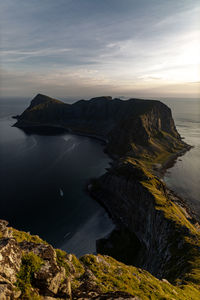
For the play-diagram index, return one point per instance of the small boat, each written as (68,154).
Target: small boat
(61,193)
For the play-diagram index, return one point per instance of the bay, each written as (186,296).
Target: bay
(43,184)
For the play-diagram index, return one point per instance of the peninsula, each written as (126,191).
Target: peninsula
(154,252)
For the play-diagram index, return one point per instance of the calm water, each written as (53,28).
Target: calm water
(43,180)
(184,176)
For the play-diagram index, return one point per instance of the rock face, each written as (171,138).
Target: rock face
(49,280)
(135,207)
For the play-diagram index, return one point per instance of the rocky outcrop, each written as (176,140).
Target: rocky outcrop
(31,270)
(18,262)
(35,270)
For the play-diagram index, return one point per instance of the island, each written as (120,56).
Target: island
(154,252)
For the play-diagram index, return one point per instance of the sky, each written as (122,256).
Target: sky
(87,48)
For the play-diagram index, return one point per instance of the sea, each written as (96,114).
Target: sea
(43,178)
(43,184)
(184,176)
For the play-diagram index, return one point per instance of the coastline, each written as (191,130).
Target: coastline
(36,128)
(158,169)
(170,162)
(184,204)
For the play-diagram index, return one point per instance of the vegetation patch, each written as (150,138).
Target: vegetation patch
(22,236)
(112,275)
(61,258)
(79,268)
(31,264)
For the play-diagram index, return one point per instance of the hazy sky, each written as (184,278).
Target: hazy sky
(85,48)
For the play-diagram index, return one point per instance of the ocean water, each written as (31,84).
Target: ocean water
(184,176)
(43,181)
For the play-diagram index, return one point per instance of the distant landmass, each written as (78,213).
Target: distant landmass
(134,125)
(154,252)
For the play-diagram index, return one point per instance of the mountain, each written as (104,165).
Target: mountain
(145,127)
(154,252)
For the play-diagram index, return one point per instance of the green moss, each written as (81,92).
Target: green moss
(62,261)
(112,275)
(21,236)
(31,264)
(79,268)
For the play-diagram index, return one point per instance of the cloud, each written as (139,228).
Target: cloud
(79,45)
(85,83)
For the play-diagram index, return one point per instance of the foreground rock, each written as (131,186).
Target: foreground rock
(32,269)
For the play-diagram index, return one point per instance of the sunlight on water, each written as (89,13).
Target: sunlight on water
(184,176)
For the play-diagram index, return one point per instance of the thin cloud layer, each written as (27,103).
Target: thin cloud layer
(85,48)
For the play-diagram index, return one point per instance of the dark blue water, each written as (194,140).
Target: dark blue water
(184,176)
(43,180)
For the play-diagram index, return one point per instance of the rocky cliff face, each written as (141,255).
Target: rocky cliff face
(140,202)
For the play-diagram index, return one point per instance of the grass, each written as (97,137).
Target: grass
(161,148)
(112,276)
(31,264)
(62,261)
(79,268)
(73,268)
(22,236)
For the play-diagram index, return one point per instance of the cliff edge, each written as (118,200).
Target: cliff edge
(32,269)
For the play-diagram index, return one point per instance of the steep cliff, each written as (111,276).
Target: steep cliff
(141,203)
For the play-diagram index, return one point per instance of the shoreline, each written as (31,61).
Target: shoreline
(157,170)
(36,129)
(170,162)
(184,204)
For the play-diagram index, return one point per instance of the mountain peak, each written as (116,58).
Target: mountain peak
(40,98)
